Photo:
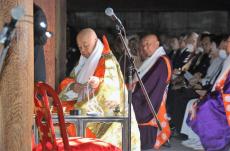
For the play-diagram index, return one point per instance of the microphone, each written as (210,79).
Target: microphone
(16,13)
(109,12)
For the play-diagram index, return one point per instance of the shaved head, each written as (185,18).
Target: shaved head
(151,37)
(149,44)
(86,41)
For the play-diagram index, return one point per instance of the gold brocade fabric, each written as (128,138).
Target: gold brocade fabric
(111,88)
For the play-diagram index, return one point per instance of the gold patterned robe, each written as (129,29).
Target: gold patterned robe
(111,88)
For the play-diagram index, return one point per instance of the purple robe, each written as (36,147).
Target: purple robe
(155,82)
(211,123)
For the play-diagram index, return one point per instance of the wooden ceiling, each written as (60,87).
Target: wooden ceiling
(147,5)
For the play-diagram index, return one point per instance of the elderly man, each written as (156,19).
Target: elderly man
(155,73)
(99,88)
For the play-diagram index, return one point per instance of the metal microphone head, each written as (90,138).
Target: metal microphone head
(109,11)
(17,12)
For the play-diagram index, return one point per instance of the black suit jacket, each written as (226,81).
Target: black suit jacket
(181,58)
(201,64)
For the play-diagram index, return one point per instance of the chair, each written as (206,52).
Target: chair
(48,140)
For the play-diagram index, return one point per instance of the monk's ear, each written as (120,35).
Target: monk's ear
(157,44)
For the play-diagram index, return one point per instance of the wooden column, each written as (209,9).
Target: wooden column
(61,13)
(49,8)
(17,82)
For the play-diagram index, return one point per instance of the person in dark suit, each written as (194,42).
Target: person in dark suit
(184,54)
(174,47)
(203,61)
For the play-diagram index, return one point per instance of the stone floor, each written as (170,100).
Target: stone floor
(175,146)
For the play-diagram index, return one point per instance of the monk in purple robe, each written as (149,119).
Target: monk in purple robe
(210,118)
(155,73)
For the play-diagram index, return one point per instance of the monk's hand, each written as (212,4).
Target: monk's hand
(78,87)
(193,111)
(111,104)
(94,82)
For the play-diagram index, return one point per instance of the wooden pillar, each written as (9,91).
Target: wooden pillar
(17,81)
(49,8)
(61,22)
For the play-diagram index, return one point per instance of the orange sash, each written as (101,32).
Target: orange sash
(225,97)
(164,134)
(99,72)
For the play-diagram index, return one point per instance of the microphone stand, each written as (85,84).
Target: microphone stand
(132,67)
(8,33)
(6,45)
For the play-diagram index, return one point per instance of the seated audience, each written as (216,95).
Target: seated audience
(174,47)
(193,140)
(179,97)
(210,116)
(184,54)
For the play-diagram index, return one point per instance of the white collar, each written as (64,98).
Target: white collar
(87,66)
(149,62)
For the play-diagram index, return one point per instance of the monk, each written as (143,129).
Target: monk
(99,88)
(210,116)
(155,73)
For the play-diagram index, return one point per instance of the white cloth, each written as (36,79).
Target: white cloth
(225,69)
(185,129)
(149,62)
(193,143)
(87,66)
(193,139)
(85,69)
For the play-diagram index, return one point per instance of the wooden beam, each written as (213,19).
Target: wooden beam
(17,82)
(147,5)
